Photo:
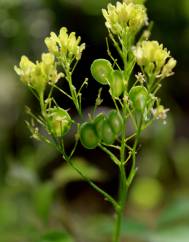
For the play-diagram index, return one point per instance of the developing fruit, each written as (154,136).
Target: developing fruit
(88,136)
(116,121)
(108,136)
(59,121)
(101,70)
(98,122)
(117,83)
(138,95)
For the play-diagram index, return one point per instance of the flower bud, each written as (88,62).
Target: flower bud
(25,70)
(48,59)
(167,69)
(51,43)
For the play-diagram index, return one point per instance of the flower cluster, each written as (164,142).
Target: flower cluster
(125,17)
(37,75)
(154,58)
(65,45)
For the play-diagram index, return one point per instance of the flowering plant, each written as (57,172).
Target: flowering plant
(135,101)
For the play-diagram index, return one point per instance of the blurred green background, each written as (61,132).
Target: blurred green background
(41,198)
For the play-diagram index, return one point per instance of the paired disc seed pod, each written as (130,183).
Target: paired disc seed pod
(139,98)
(102,72)
(103,129)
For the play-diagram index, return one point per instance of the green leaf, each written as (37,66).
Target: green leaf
(66,173)
(42,199)
(173,234)
(176,211)
(56,236)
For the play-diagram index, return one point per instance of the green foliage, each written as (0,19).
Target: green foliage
(43,196)
(56,236)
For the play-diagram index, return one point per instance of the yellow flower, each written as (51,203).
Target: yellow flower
(51,43)
(39,74)
(65,45)
(48,67)
(124,16)
(167,69)
(153,57)
(25,70)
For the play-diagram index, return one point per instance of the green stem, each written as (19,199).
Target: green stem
(42,104)
(122,199)
(112,156)
(133,167)
(122,185)
(73,92)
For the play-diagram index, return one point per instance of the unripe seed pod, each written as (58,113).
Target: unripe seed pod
(59,121)
(138,95)
(116,121)
(117,83)
(88,136)
(108,136)
(101,70)
(98,122)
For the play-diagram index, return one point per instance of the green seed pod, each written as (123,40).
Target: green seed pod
(138,95)
(101,70)
(116,121)
(98,122)
(117,83)
(88,136)
(108,135)
(59,121)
